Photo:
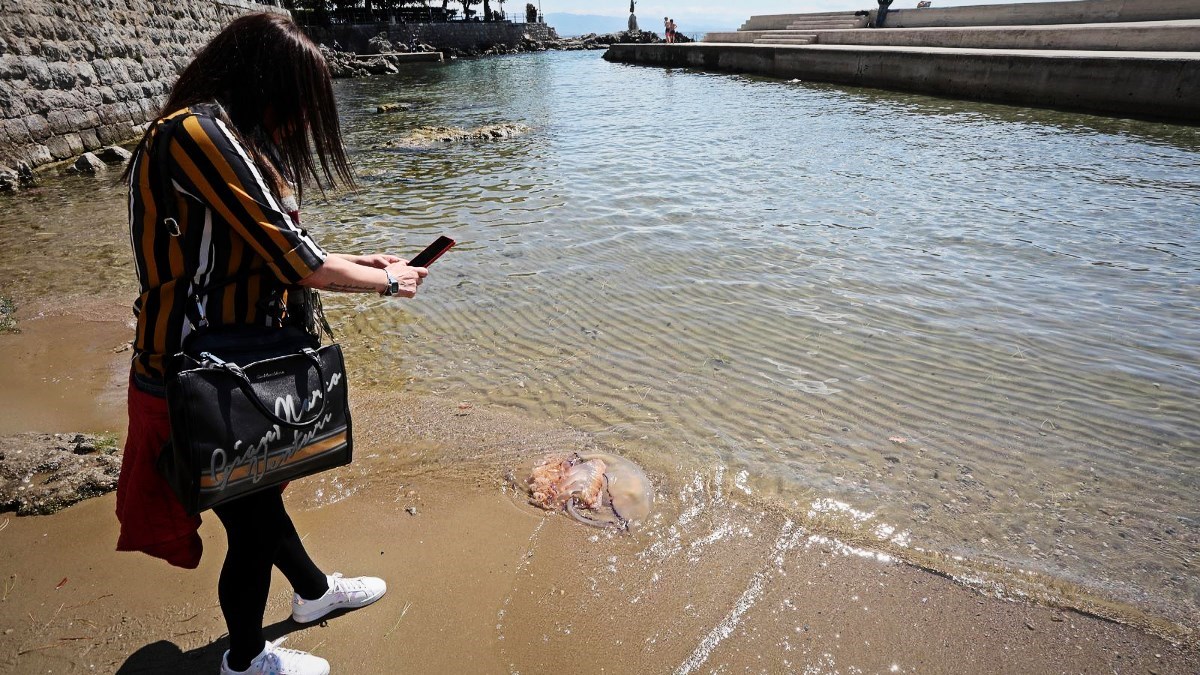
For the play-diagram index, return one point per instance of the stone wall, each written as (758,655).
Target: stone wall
(76,75)
(456,36)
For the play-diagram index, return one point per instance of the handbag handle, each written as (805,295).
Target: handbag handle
(248,389)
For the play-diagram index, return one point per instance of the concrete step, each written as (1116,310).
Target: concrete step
(747,36)
(829,24)
(781,21)
(1044,13)
(786,41)
(1181,36)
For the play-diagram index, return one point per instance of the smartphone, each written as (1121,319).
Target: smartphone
(432,252)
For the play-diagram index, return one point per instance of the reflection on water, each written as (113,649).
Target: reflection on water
(975,323)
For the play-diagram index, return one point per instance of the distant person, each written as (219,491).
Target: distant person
(667,30)
(671,29)
(881,17)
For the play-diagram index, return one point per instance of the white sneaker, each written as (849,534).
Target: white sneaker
(342,594)
(275,660)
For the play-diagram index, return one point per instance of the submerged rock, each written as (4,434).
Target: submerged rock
(45,473)
(424,136)
(391,108)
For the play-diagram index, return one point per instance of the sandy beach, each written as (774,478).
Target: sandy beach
(479,581)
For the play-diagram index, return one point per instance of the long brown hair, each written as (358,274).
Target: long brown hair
(263,64)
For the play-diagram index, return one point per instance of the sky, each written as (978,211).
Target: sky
(713,11)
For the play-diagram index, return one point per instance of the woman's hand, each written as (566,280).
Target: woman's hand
(409,277)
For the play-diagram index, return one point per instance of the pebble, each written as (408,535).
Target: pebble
(412,510)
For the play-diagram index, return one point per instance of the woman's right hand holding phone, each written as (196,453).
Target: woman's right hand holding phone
(409,278)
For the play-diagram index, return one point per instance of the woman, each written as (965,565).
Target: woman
(255,106)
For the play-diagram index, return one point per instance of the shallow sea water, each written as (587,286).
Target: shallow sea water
(975,323)
(966,331)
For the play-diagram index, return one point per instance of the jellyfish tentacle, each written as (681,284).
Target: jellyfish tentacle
(586,520)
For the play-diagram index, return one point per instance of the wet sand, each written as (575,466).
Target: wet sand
(481,582)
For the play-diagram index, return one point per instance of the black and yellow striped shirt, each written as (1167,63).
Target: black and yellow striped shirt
(218,188)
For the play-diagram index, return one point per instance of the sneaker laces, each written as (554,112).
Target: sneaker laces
(348,586)
(278,659)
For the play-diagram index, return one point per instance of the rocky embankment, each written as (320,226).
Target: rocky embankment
(382,56)
(603,40)
(93,163)
(44,473)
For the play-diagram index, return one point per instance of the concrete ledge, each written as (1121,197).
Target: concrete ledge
(782,21)
(1155,36)
(1041,13)
(748,36)
(1156,85)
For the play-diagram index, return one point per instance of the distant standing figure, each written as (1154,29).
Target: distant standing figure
(881,17)
(671,30)
(667,30)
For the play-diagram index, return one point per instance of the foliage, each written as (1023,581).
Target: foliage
(322,11)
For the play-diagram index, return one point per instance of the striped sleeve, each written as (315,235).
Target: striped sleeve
(211,165)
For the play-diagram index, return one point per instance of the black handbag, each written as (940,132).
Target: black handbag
(251,407)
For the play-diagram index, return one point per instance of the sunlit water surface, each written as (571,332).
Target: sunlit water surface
(969,328)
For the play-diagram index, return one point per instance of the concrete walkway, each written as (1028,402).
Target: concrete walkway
(1146,84)
(1178,35)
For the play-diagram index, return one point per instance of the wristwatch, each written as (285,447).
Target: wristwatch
(393,286)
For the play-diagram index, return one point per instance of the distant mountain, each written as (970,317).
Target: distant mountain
(569,25)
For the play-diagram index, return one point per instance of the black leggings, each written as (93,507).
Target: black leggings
(260,535)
